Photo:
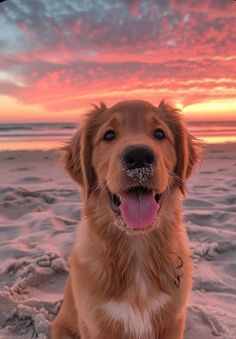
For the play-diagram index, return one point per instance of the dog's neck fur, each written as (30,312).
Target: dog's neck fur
(125,258)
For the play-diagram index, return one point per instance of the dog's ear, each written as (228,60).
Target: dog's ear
(86,151)
(71,158)
(189,154)
(188,148)
(78,152)
(195,152)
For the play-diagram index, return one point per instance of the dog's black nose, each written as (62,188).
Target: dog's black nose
(137,156)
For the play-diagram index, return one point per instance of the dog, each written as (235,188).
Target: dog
(130,267)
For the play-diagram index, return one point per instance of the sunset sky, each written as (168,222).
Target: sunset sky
(59,56)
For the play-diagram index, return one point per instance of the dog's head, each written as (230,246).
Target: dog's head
(133,155)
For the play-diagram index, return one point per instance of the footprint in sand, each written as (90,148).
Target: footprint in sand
(21,169)
(195,203)
(228,199)
(10,158)
(231,183)
(202,324)
(31,180)
(206,172)
(199,219)
(34,180)
(230,269)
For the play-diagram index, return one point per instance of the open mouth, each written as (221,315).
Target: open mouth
(138,206)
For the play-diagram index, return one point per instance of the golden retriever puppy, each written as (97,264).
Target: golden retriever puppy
(130,267)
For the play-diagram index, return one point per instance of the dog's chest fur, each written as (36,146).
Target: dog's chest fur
(136,318)
(138,306)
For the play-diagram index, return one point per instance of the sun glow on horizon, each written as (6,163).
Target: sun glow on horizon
(211,110)
(13,111)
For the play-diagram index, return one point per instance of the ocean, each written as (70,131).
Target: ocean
(44,136)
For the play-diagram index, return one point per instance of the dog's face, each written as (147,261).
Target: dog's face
(134,154)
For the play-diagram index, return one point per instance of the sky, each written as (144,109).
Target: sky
(58,57)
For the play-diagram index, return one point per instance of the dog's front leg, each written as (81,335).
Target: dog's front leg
(83,329)
(174,330)
(65,324)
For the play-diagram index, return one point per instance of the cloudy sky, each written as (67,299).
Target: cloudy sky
(59,56)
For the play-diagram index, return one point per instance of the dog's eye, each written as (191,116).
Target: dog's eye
(109,135)
(159,134)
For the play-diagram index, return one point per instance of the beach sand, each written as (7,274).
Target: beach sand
(39,209)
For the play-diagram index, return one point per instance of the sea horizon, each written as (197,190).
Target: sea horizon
(51,135)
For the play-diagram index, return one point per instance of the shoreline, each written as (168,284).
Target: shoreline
(59,147)
(49,145)
(54,143)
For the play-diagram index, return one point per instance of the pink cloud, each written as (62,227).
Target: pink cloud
(173,49)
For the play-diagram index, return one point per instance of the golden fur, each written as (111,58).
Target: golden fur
(120,278)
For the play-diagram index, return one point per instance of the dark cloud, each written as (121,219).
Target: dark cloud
(109,25)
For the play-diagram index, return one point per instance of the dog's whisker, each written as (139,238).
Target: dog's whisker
(175,179)
(97,187)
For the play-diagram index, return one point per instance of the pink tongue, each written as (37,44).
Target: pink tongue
(138,210)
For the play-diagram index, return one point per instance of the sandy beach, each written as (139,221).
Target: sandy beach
(39,209)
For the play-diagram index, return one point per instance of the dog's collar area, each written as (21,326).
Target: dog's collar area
(140,194)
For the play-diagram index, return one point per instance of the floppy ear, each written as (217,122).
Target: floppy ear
(189,154)
(195,151)
(78,159)
(71,158)
(188,148)
(78,152)
(88,174)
